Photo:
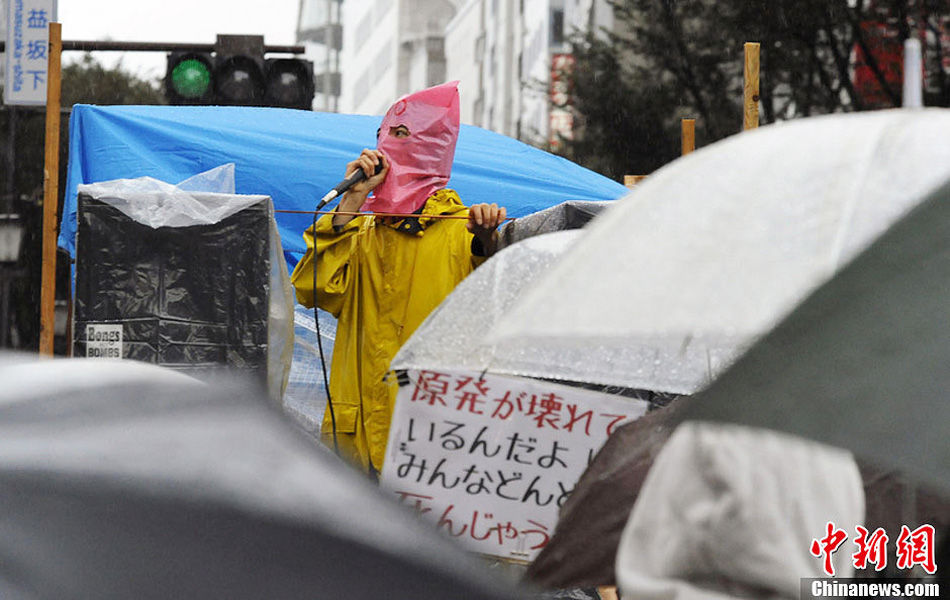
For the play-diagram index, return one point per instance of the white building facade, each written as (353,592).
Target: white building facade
(319,29)
(391,48)
(501,51)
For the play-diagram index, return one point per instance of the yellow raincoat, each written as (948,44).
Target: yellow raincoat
(380,280)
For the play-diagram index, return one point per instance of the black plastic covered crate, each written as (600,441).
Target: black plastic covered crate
(192,298)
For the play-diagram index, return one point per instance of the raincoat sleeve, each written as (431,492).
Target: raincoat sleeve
(335,249)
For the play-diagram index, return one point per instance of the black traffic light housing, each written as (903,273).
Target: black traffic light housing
(289,83)
(189,78)
(237,74)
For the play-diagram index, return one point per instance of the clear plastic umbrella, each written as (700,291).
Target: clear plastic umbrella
(452,337)
(671,283)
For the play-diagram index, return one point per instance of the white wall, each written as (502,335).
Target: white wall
(535,69)
(499,50)
(391,48)
(368,57)
(464,53)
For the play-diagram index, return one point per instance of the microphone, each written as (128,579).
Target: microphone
(346,184)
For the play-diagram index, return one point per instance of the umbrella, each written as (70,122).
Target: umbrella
(583,549)
(124,480)
(862,363)
(452,336)
(672,282)
(455,335)
(582,552)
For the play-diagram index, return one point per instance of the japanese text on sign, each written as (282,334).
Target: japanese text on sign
(490,459)
(27,51)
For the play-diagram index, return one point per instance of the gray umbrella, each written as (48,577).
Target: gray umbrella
(125,480)
(863,362)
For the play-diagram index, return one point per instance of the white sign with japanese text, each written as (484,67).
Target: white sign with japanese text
(27,50)
(490,459)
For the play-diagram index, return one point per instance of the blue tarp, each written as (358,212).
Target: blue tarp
(296,156)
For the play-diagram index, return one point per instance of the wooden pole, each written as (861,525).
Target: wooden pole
(50,191)
(750,117)
(688,135)
(632,180)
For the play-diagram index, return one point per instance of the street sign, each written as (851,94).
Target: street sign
(27,50)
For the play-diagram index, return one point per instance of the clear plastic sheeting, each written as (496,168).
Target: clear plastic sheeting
(305,398)
(193,279)
(158,204)
(219,180)
(452,336)
(675,280)
(567,215)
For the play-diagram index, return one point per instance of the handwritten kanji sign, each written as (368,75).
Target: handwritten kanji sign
(490,459)
(27,52)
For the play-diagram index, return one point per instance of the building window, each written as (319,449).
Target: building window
(557,27)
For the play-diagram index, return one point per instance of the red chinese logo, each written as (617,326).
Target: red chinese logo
(916,548)
(827,546)
(913,547)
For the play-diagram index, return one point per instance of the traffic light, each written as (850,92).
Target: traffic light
(188,78)
(237,74)
(289,83)
(239,80)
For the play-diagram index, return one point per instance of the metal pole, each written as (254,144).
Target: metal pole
(11,160)
(104,46)
(4,306)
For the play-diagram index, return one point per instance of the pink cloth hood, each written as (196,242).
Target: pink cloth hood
(420,164)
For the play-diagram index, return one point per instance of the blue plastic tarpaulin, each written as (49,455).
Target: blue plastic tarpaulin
(295,156)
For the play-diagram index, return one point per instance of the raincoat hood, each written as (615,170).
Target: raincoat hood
(419,165)
(731,512)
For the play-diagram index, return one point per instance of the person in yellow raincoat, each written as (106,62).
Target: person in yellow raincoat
(381,276)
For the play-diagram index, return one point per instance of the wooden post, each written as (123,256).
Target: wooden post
(750,116)
(632,180)
(50,191)
(688,135)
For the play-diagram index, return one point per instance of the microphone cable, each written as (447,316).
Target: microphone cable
(316,323)
(338,191)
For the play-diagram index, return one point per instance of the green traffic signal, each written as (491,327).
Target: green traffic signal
(238,77)
(191,78)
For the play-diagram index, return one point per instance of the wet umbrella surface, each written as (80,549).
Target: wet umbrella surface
(673,282)
(124,480)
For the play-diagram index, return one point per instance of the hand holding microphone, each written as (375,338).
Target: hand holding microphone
(364,174)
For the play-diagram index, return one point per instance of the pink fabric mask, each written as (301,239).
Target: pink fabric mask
(419,165)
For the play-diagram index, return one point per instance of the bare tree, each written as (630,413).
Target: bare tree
(668,59)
